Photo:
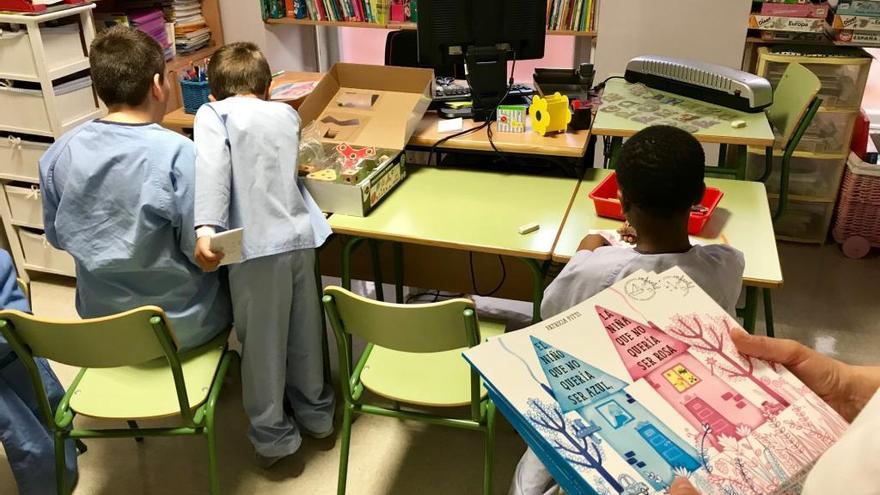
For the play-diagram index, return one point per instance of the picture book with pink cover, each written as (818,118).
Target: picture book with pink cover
(642,383)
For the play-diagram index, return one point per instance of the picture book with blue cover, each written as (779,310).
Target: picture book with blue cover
(642,383)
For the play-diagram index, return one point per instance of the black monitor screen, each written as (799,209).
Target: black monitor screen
(448,27)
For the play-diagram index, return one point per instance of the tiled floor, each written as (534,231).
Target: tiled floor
(829,302)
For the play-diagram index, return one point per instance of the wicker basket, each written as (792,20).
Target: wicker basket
(857,222)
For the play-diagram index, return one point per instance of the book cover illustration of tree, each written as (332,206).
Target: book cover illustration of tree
(763,445)
(753,429)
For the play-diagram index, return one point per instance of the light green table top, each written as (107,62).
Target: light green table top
(741,220)
(469,210)
(757,131)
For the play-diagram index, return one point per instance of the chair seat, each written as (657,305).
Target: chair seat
(147,390)
(435,379)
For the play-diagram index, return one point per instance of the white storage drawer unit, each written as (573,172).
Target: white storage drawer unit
(75,103)
(64,49)
(813,177)
(25,206)
(40,255)
(20,158)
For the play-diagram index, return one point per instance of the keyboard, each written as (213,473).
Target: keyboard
(450,91)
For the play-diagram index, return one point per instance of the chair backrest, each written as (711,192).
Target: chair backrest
(432,327)
(792,98)
(23,287)
(128,338)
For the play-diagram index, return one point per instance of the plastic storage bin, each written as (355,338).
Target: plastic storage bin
(604,198)
(195,94)
(40,255)
(803,221)
(840,83)
(830,132)
(19,158)
(63,46)
(857,222)
(25,205)
(75,101)
(814,178)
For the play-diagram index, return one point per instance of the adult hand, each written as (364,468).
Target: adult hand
(681,486)
(844,387)
(592,242)
(208,260)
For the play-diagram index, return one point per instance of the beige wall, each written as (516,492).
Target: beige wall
(286,47)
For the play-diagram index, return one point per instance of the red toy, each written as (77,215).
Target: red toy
(352,156)
(604,196)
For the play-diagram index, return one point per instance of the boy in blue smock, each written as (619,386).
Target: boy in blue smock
(118,196)
(246,178)
(29,445)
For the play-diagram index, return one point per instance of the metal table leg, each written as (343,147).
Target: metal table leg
(768,313)
(750,312)
(538,271)
(398,271)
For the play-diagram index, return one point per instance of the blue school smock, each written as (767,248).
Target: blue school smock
(119,199)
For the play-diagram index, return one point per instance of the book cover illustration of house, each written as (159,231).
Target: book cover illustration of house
(641,383)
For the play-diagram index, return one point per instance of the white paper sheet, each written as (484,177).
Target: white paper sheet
(229,243)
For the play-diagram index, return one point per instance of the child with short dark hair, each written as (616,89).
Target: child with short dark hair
(660,175)
(118,196)
(246,178)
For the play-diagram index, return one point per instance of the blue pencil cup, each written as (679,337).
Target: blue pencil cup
(195,94)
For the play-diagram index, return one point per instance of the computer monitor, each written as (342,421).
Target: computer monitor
(485,35)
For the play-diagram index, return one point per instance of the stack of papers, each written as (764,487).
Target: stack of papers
(191,32)
(152,22)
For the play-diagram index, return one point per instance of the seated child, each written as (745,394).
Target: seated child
(29,445)
(118,196)
(246,178)
(660,174)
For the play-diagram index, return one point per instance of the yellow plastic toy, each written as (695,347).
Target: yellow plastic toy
(550,114)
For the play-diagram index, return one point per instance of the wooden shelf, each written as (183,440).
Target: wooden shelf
(182,61)
(395,25)
(582,34)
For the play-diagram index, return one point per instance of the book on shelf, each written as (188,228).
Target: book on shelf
(641,383)
(366,11)
(191,31)
(571,15)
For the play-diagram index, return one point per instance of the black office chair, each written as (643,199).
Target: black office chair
(402,50)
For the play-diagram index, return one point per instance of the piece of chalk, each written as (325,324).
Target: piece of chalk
(738,124)
(528,228)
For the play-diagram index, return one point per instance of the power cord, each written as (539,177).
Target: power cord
(474,276)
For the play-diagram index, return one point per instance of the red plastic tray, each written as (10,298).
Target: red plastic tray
(604,196)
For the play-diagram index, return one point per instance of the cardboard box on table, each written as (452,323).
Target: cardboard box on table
(366,106)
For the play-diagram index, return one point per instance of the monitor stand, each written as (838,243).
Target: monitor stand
(486,69)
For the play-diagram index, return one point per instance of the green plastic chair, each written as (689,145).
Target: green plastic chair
(413,356)
(794,106)
(131,370)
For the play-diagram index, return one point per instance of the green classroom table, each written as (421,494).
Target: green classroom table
(742,220)
(467,210)
(757,131)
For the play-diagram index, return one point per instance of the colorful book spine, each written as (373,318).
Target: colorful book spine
(289,9)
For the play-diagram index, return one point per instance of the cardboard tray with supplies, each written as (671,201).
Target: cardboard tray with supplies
(356,123)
